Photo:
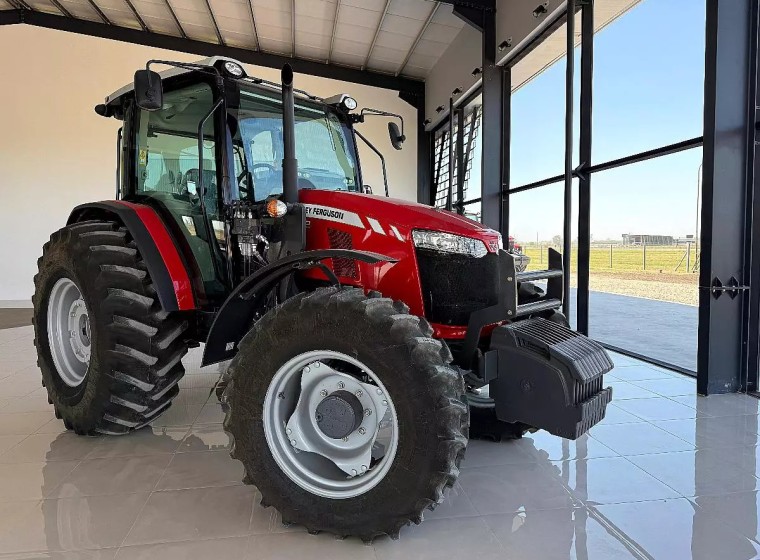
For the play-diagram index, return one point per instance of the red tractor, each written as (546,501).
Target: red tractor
(366,333)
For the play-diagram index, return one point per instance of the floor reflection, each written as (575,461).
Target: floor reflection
(540,497)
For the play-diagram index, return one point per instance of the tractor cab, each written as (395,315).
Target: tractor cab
(203,144)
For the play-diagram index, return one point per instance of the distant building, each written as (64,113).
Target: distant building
(648,239)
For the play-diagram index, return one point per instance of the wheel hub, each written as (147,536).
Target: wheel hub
(69,334)
(339,414)
(330,432)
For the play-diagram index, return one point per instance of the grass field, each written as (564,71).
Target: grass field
(617,258)
(664,277)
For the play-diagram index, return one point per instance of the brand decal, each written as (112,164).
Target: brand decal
(333,215)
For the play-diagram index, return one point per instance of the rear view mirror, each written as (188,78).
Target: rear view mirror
(396,137)
(149,92)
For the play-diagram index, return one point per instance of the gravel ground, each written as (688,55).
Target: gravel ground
(676,288)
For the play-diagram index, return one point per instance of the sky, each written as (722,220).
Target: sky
(648,92)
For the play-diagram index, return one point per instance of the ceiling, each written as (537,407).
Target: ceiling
(395,37)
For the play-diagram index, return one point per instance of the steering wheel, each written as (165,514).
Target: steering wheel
(268,166)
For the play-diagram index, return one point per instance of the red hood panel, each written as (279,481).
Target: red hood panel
(393,211)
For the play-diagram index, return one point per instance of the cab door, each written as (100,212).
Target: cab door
(167,175)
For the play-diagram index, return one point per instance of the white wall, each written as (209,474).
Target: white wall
(55,152)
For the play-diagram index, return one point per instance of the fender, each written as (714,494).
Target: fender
(236,315)
(157,248)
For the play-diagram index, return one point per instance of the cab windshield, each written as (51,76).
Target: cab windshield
(324,146)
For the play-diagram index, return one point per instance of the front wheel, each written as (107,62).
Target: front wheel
(345,413)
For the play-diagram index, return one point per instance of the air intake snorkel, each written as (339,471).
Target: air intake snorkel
(289,161)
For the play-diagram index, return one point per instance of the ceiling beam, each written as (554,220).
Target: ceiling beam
(176,19)
(253,24)
(201,48)
(216,27)
(293,28)
(11,17)
(419,36)
(60,8)
(334,29)
(100,13)
(20,4)
(377,32)
(138,17)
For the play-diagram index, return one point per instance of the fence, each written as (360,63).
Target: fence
(610,257)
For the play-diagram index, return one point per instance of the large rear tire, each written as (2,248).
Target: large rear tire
(127,357)
(395,350)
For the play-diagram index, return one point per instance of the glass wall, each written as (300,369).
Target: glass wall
(644,257)
(641,179)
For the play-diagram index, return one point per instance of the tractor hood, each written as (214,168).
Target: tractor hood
(377,212)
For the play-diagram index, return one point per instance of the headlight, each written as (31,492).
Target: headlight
(448,243)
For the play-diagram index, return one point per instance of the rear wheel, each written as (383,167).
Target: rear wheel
(345,413)
(110,357)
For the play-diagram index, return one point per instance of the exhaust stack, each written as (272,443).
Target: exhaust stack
(289,161)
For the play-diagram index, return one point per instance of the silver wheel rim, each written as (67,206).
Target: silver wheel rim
(331,468)
(69,335)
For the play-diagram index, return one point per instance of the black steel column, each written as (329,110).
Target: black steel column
(424,154)
(567,229)
(506,139)
(460,159)
(452,155)
(493,120)
(727,188)
(752,252)
(584,178)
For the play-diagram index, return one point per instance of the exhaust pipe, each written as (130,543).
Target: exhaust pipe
(289,161)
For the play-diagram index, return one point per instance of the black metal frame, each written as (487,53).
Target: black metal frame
(585,169)
(728,319)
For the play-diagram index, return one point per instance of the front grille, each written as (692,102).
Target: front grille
(453,286)
(345,268)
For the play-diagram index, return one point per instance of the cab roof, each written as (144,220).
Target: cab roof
(116,97)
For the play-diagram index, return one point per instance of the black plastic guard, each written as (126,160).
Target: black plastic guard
(549,377)
(238,312)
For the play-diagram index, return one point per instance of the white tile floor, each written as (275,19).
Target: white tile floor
(666,475)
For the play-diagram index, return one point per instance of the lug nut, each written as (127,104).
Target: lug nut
(360,393)
(306,369)
(341,385)
(353,472)
(293,442)
(317,364)
(367,412)
(385,403)
(362,431)
(288,431)
(323,392)
(364,468)
(379,391)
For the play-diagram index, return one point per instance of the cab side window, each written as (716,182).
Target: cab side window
(168,172)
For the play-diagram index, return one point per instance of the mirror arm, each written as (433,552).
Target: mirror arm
(380,155)
(378,113)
